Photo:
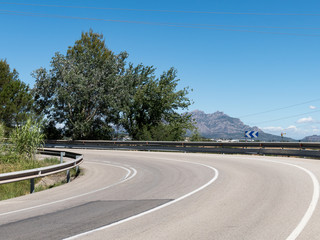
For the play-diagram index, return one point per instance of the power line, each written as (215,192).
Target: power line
(292,116)
(168,11)
(194,26)
(277,109)
(248,26)
(205,25)
(231,26)
(285,129)
(289,127)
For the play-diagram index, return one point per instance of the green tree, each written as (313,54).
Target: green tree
(90,89)
(151,109)
(195,136)
(15,97)
(82,89)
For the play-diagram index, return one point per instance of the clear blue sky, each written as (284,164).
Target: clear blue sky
(244,68)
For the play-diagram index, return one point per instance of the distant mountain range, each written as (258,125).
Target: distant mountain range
(221,126)
(313,138)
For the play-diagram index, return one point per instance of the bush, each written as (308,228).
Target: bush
(26,139)
(1,137)
(1,132)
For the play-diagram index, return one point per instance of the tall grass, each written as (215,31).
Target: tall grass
(20,188)
(11,190)
(26,139)
(18,153)
(2,132)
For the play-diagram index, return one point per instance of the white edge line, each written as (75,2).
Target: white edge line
(156,208)
(124,179)
(294,234)
(312,206)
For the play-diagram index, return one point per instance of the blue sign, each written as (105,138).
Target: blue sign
(251,134)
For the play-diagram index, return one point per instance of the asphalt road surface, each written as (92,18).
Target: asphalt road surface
(154,195)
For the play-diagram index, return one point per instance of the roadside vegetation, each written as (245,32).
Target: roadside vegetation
(18,152)
(89,92)
(16,189)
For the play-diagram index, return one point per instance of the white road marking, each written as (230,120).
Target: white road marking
(156,208)
(130,171)
(294,234)
(312,206)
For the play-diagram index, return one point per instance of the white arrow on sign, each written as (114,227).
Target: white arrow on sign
(251,134)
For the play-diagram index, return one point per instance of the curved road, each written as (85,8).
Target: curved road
(148,195)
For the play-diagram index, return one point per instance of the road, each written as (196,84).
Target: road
(155,195)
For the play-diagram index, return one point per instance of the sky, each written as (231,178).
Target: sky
(255,60)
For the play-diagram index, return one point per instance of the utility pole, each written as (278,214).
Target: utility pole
(282,133)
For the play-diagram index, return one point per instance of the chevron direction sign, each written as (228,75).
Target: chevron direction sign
(251,134)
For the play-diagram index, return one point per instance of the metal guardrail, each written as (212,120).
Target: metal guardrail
(44,171)
(315,145)
(301,149)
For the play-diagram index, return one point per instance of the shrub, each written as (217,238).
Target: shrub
(26,139)
(1,138)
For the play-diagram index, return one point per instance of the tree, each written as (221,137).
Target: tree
(150,112)
(15,97)
(196,137)
(82,89)
(89,90)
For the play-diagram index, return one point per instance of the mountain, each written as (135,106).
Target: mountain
(313,138)
(221,126)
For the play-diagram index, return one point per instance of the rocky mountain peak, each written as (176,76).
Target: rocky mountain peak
(220,125)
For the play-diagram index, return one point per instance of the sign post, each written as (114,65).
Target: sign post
(282,134)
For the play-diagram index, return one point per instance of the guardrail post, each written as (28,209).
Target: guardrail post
(62,154)
(68,176)
(32,185)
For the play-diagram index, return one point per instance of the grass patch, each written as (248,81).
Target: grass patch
(11,190)
(12,164)
(56,180)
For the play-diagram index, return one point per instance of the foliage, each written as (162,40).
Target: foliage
(51,131)
(11,190)
(196,137)
(2,135)
(81,90)
(150,112)
(89,90)
(2,132)
(26,139)
(16,189)
(15,97)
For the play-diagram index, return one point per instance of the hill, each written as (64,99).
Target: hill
(313,138)
(221,126)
